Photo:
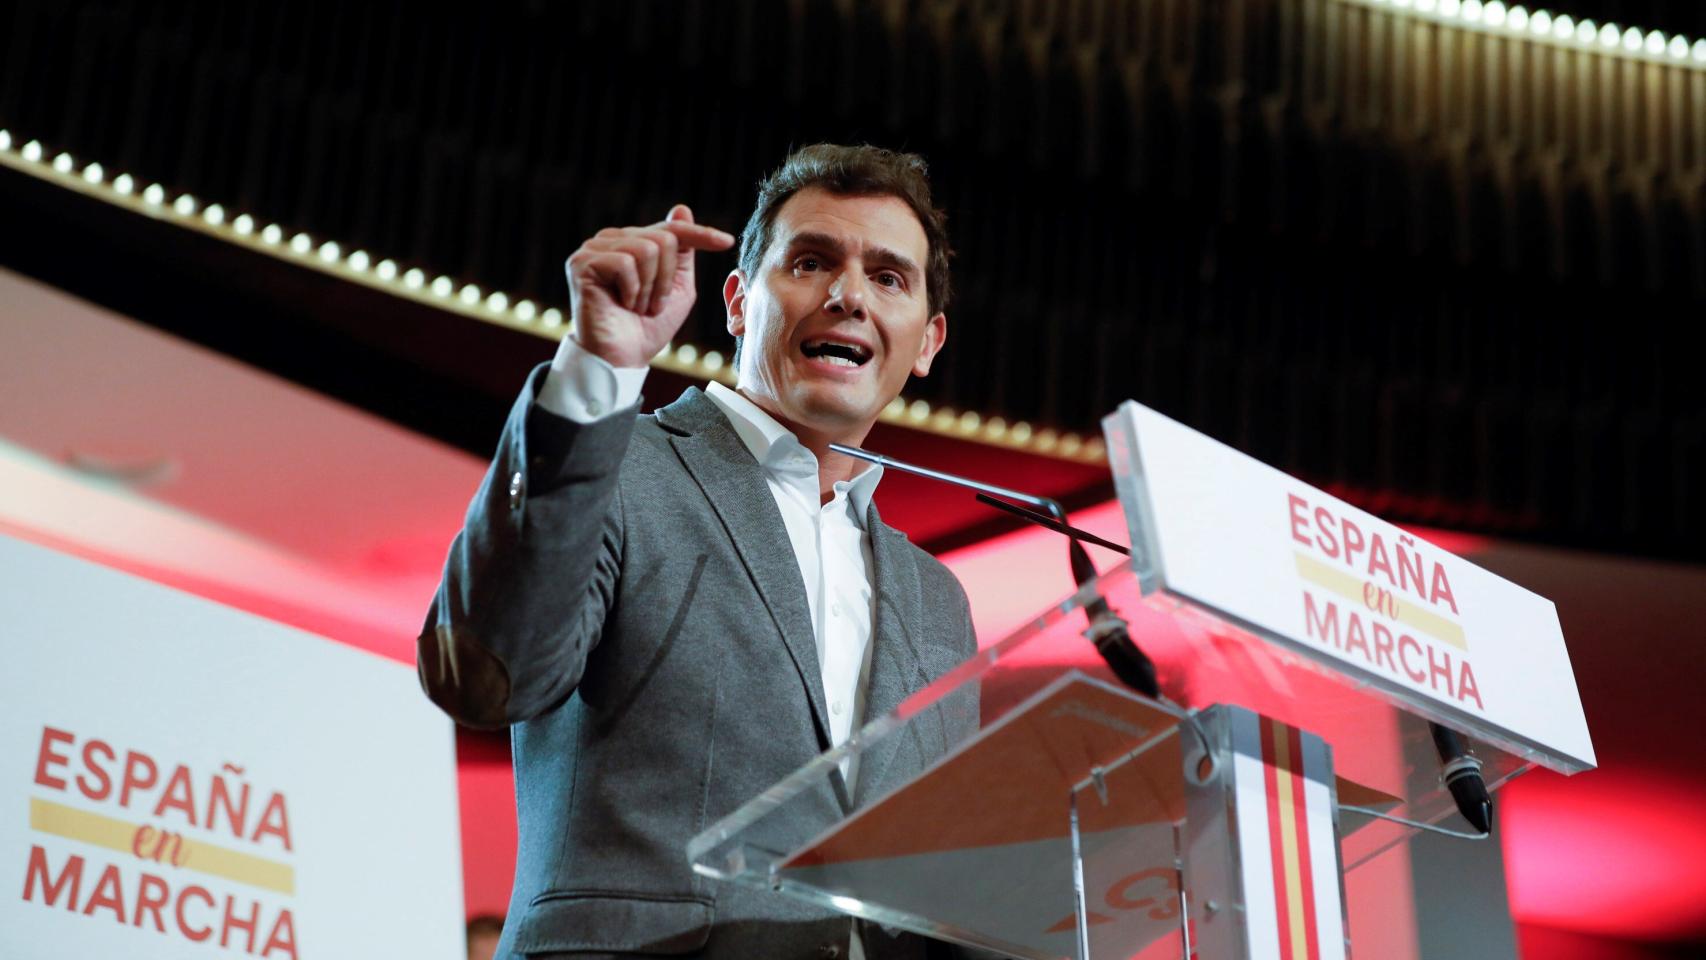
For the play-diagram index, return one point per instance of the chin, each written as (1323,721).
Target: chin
(828,410)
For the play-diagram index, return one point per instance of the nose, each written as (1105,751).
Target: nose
(847,295)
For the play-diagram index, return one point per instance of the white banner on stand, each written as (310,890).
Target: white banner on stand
(178,778)
(1250,543)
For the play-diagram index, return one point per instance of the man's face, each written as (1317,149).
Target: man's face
(837,316)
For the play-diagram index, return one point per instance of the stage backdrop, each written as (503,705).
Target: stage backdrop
(178,778)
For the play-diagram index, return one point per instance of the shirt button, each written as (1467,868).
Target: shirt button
(515,490)
(594,407)
(829,951)
(835,611)
(835,708)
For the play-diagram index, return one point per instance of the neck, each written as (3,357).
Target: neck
(832,467)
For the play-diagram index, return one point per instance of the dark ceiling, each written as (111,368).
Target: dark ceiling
(1457,294)
(1672,16)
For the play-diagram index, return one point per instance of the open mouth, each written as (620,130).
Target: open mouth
(836,352)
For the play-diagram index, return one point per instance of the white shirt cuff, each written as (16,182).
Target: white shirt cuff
(584,387)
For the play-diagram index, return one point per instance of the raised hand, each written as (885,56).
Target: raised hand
(630,288)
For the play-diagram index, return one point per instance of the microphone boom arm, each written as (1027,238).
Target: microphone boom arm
(1107,630)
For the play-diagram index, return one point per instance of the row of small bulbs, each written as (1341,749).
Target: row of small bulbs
(1540,24)
(497,306)
(272,235)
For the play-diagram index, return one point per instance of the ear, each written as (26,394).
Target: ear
(935,334)
(734,303)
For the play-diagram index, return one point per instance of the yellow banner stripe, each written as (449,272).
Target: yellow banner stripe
(1346,585)
(198,855)
(1288,843)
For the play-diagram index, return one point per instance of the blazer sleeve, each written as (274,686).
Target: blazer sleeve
(534,571)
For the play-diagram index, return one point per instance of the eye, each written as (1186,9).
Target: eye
(807,263)
(892,280)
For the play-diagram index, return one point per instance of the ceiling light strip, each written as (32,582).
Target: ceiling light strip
(469,300)
(1542,26)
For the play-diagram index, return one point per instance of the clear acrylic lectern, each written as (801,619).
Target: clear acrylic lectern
(1042,811)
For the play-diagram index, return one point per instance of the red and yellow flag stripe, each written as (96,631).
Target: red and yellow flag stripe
(1288,840)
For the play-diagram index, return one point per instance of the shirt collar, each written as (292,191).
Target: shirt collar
(777,449)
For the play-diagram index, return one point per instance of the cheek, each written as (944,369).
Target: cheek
(764,322)
(908,347)
(785,317)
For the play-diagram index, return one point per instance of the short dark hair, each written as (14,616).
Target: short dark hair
(863,170)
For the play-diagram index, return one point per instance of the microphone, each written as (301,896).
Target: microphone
(1461,772)
(1107,632)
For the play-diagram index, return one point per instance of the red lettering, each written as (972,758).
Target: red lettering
(1324,626)
(274,821)
(1377,560)
(105,788)
(177,795)
(283,936)
(1441,670)
(247,926)
(45,756)
(140,840)
(133,762)
(1327,540)
(1467,687)
(1406,643)
(1353,540)
(1442,587)
(1379,599)
(149,844)
(1121,894)
(1299,522)
(219,797)
(1355,638)
(1409,567)
(151,896)
(107,894)
(71,874)
(198,934)
(1383,647)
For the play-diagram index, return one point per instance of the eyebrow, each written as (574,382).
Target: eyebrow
(876,256)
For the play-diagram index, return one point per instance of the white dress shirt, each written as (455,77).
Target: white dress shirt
(830,541)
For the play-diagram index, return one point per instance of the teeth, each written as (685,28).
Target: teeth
(833,350)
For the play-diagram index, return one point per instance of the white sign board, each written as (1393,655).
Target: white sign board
(178,778)
(1248,542)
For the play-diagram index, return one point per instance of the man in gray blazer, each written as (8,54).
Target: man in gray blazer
(675,611)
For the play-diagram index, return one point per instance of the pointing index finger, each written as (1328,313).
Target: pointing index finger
(698,236)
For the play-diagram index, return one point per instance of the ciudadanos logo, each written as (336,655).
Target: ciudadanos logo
(122,836)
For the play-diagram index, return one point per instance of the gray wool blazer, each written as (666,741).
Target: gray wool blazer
(624,594)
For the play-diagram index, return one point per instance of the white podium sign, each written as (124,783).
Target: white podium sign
(178,778)
(1272,554)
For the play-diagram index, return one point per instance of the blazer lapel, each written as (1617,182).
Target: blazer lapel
(896,672)
(734,484)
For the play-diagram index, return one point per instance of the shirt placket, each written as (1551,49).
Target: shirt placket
(834,640)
